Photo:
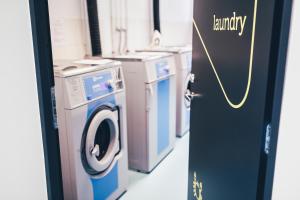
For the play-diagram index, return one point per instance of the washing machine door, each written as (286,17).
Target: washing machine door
(100,141)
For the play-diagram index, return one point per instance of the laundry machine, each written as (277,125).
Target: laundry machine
(151,105)
(183,59)
(91,110)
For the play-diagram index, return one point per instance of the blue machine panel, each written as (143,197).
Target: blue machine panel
(105,186)
(163,112)
(189,61)
(97,85)
(162,68)
(187,118)
(108,101)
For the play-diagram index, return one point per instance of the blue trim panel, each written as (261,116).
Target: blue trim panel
(109,101)
(189,61)
(163,115)
(104,187)
(187,119)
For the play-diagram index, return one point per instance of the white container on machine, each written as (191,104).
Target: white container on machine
(183,60)
(151,107)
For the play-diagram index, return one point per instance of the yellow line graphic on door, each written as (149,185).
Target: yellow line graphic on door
(244,99)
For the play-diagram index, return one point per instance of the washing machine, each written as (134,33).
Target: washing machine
(91,110)
(183,58)
(151,105)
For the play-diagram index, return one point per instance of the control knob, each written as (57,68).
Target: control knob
(110,85)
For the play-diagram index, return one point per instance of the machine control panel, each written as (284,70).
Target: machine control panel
(162,68)
(102,83)
(98,85)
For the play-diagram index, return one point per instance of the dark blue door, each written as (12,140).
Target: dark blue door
(235,63)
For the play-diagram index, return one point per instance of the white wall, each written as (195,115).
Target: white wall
(139,24)
(287,173)
(68,29)
(22,172)
(70,35)
(176,22)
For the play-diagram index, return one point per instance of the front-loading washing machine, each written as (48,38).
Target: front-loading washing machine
(91,110)
(183,60)
(151,107)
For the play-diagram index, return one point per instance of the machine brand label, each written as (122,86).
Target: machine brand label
(97,78)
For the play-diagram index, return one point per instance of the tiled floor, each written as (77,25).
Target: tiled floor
(167,181)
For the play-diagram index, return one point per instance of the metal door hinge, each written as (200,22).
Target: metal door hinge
(268,138)
(54,113)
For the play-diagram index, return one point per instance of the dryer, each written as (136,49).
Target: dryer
(151,105)
(92,130)
(183,60)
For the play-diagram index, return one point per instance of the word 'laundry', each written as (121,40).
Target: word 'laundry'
(234,23)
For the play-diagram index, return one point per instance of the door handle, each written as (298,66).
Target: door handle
(192,95)
(189,95)
(149,95)
(195,95)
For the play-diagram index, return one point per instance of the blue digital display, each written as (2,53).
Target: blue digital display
(162,69)
(97,85)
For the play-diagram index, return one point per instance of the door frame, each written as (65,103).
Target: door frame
(41,34)
(279,49)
